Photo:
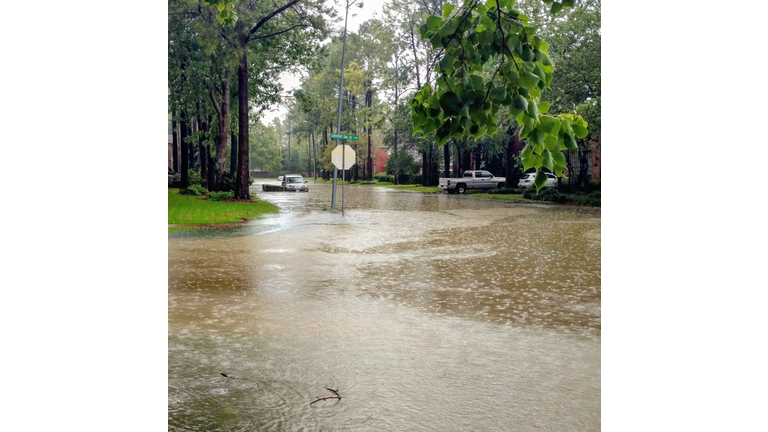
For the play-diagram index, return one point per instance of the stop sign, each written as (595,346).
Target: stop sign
(345,152)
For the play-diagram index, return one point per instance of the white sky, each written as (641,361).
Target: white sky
(357,16)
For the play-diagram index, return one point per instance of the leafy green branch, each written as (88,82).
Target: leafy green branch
(465,102)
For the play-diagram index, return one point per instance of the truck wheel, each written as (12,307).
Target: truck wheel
(461,189)
(500,186)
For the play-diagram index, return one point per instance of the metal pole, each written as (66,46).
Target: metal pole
(338,118)
(314,150)
(343,172)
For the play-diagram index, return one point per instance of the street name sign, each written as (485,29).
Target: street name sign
(345,137)
(345,153)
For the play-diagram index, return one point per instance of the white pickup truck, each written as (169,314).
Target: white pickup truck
(471,180)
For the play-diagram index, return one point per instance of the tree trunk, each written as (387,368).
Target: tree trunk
(583,180)
(222,114)
(424,168)
(243,164)
(508,161)
(314,150)
(288,163)
(192,147)
(447,159)
(175,142)
(433,166)
(233,153)
(201,127)
(368,160)
(184,154)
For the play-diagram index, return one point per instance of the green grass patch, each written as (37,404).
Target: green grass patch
(506,197)
(415,188)
(190,210)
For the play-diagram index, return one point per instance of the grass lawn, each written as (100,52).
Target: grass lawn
(508,197)
(191,210)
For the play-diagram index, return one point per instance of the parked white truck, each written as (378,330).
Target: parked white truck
(471,180)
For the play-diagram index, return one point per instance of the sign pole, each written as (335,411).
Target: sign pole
(338,115)
(343,172)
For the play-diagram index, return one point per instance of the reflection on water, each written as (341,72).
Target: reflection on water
(425,311)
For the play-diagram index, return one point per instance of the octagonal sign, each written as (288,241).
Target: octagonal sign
(348,156)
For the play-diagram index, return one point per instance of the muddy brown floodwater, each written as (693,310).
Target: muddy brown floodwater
(425,311)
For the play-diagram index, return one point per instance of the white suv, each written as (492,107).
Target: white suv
(295,182)
(527,180)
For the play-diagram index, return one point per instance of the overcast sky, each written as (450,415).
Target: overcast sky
(356,17)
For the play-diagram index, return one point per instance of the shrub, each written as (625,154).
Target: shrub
(384,177)
(548,194)
(416,179)
(552,195)
(195,190)
(271,188)
(231,180)
(506,191)
(530,193)
(218,196)
(195,178)
(367,182)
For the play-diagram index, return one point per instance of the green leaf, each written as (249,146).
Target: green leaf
(491,130)
(527,152)
(543,58)
(520,103)
(580,131)
(432,125)
(435,41)
(570,143)
(447,9)
(556,7)
(498,93)
(528,162)
(540,180)
(569,3)
(549,125)
(533,111)
(547,161)
(477,82)
(544,107)
(434,22)
(433,102)
(447,63)
(524,119)
(449,27)
(450,103)
(423,30)
(550,141)
(529,79)
(558,158)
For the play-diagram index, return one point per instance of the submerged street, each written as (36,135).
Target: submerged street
(424,312)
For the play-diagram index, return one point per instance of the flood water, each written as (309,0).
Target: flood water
(426,312)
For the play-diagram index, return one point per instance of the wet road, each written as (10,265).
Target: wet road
(425,311)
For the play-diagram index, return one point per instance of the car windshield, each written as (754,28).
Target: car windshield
(295,179)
